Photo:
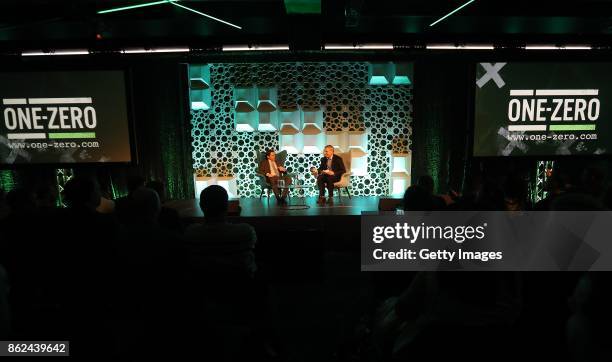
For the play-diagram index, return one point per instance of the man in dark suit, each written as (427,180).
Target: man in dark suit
(274,173)
(330,172)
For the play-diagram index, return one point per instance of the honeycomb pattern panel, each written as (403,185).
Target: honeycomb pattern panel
(341,89)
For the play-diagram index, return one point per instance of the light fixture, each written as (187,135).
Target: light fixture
(155,50)
(205,15)
(557,47)
(365,46)
(172,2)
(452,12)
(577,47)
(460,47)
(374,46)
(30,53)
(242,48)
(541,47)
(130,7)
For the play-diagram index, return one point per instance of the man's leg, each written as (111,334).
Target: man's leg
(288,182)
(274,182)
(321,185)
(330,190)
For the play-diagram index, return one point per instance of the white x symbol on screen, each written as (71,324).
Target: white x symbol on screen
(491,73)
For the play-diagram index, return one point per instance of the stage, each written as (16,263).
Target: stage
(255,208)
(281,230)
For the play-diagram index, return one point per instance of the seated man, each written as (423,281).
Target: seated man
(274,173)
(217,246)
(330,172)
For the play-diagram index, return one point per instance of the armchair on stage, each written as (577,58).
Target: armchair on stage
(345,180)
(281,156)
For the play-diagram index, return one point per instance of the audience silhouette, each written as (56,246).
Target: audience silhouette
(136,271)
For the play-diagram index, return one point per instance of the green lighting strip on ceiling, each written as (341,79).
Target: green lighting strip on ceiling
(123,8)
(452,12)
(205,15)
(172,2)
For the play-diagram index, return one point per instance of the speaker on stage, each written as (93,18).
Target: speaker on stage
(388,204)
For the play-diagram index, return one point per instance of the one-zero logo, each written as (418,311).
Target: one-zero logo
(37,118)
(553,109)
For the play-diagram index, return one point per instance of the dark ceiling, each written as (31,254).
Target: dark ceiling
(40,23)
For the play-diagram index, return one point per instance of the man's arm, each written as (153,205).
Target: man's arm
(322,166)
(261,169)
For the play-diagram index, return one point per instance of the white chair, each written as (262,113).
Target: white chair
(345,180)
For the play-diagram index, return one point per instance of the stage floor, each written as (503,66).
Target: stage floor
(254,207)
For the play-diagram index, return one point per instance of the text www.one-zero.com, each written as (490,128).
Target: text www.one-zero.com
(44,145)
(554,137)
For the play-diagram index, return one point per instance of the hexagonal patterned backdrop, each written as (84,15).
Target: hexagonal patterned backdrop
(342,89)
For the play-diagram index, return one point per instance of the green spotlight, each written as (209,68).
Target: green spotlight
(135,6)
(452,12)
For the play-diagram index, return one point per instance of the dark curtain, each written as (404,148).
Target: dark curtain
(440,129)
(163,131)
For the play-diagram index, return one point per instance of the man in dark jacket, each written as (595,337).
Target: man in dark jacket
(330,172)
(275,173)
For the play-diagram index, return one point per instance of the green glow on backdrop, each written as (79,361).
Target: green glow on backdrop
(303,6)
(7,180)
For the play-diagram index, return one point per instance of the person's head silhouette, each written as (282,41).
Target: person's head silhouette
(82,192)
(146,206)
(214,202)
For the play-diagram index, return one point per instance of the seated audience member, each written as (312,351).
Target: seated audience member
(557,184)
(169,218)
(216,244)
(21,217)
(427,183)
(21,202)
(490,197)
(417,199)
(576,201)
(515,194)
(143,248)
(275,173)
(123,205)
(107,206)
(220,267)
(588,326)
(593,182)
(459,306)
(46,196)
